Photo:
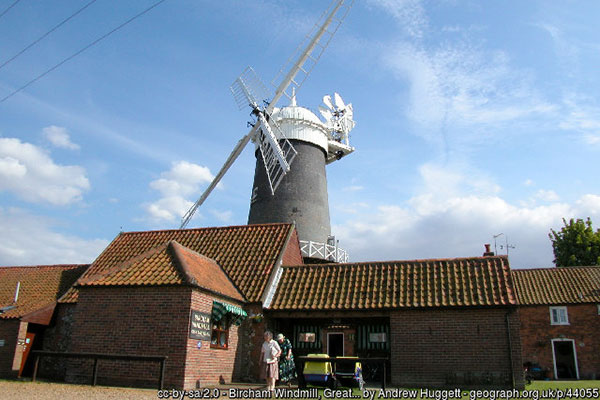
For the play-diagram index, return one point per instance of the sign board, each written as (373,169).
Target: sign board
(377,337)
(200,326)
(308,337)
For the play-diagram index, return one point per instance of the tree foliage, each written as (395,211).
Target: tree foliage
(576,244)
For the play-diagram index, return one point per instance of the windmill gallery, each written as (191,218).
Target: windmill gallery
(200,299)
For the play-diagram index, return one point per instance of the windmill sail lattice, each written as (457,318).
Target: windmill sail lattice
(276,151)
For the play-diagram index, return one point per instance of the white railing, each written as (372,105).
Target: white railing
(324,251)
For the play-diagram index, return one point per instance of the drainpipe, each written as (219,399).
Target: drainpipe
(510,356)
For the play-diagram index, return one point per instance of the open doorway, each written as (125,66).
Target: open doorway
(565,359)
(335,344)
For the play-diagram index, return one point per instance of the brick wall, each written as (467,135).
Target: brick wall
(10,354)
(57,337)
(131,320)
(251,339)
(443,347)
(584,327)
(206,365)
(292,254)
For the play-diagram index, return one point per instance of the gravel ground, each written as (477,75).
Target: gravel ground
(18,390)
(26,390)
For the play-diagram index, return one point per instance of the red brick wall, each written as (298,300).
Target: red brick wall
(206,365)
(446,347)
(292,254)
(584,327)
(10,354)
(135,321)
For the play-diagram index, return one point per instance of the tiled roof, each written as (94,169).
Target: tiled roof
(167,264)
(483,281)
(247,253)
(40,286)
(563,285)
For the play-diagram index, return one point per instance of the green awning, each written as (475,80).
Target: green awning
(219,310)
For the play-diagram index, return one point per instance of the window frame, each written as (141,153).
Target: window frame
(220,328)
(559,309)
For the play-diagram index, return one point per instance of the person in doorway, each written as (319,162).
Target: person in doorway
(287,368)
(269,354)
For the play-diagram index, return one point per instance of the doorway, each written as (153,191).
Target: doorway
(565,359)
(335,344)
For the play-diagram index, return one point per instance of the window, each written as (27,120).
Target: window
(220,333)
(598,308)
(558,316)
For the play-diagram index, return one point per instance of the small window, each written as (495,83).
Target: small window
(558,316)
(598,308)
(220,334)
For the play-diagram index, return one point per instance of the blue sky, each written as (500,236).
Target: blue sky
(473,119)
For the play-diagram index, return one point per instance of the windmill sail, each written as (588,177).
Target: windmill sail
(249,90)
(276,165)
(276,158)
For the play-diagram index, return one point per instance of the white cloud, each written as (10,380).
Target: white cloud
(175,186)
(27,239)
(547,195)
(223,216)
(455,221)
(353,188)
(461,85)
(409,14)
(583,116)
(29,172)
(59,137)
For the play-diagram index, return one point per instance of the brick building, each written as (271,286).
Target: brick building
(204,297)
(28,298)
(560,320)
(441,322)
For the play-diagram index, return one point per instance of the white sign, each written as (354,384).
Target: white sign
(377,337)
(308,337)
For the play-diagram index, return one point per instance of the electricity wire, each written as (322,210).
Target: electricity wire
(80,51)
(47,33)
(9,7)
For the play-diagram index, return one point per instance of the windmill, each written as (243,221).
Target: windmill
(293,134)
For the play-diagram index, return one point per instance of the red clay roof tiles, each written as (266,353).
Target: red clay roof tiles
(563,285)
(167,264)
(483,281)
(246,253)
(40,286)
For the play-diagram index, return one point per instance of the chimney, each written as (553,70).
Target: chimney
(488,253)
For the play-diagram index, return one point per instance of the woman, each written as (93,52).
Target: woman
(287,368)
(269,353)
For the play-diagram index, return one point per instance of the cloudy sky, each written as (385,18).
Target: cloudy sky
(474,119)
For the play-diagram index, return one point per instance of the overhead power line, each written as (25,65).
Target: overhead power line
(9,7)
(80,51)
(47,33)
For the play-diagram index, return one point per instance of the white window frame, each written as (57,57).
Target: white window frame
(558,311)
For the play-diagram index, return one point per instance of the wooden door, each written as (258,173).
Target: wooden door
(26,348)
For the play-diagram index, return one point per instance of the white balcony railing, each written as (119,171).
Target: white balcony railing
(324,251)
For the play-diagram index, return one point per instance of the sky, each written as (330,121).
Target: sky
(473,119)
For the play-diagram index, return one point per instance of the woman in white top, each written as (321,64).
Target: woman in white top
(269,354)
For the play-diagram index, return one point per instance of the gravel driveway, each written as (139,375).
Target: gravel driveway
(18,390)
